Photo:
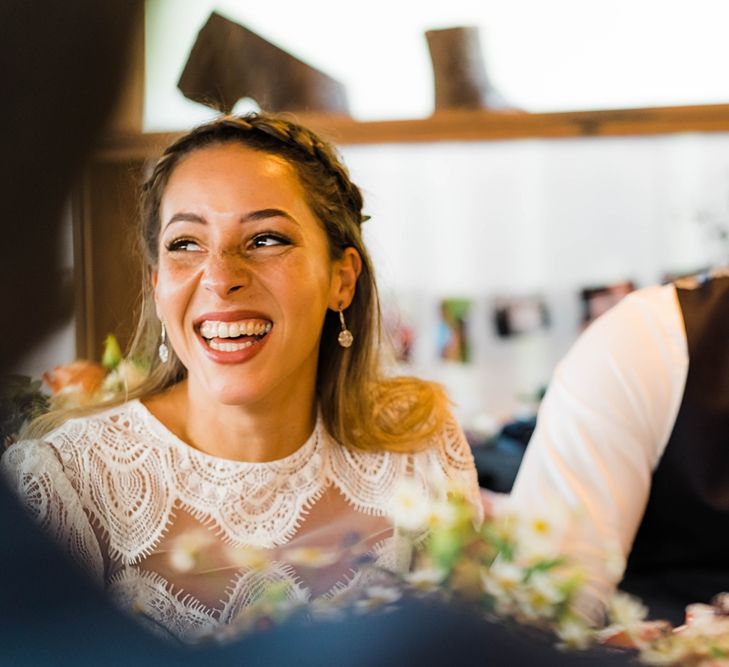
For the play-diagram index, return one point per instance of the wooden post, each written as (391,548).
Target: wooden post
(127,116)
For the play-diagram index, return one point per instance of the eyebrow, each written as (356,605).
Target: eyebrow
(253,216)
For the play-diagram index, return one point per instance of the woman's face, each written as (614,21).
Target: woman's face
(244,278)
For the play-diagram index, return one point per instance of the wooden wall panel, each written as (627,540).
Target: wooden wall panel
(107,273)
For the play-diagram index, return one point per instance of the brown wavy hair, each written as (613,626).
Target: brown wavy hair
(361,405)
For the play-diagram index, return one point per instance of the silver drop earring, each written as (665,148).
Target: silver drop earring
(345,337)
(163,350)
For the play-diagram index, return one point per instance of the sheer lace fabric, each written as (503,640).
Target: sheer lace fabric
(128,500)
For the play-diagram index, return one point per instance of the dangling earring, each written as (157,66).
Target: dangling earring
(345,337)
(163,350)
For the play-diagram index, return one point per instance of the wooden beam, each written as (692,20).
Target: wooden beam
(469,125)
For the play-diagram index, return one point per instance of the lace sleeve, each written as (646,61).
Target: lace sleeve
(35,474)
(451,456)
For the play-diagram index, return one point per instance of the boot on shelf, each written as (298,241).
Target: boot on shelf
(229,62)
(459,73)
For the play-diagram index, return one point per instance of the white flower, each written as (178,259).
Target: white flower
(181,560)
(539,596)
(457,488)
(126,377)
(425,579)
(377,596)
(250,558)
(409,507)
(540,536)
(325,609)
(670,652)
(384,594)
(626,611)
(574,634)
(312,556)
(443,514)
(502,579)
(186,548)
(547,585)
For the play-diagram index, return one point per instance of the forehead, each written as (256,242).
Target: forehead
(233,172)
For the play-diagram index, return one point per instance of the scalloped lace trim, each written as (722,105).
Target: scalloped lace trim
(130,474)
(174,613)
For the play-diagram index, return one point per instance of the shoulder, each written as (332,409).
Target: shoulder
(121,423)
(615,395)
(449,443)
(641,334)
(650,312)
(443,462)
(28,458)
(65,449)
(447,463)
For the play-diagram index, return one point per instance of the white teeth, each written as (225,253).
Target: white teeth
(229,347)
(212,329)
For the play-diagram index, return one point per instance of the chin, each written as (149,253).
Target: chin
(234,396)
(228,392)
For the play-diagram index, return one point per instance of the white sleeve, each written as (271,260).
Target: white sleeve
(601,430)
(33,471)
(455,461)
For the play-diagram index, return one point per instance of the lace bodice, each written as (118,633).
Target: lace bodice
(129,500)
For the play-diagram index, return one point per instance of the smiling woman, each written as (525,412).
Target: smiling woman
(243,282)
(267,422)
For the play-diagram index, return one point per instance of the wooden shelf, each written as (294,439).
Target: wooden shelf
(472,126)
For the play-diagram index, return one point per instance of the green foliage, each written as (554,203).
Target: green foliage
(112,353)
(21,401)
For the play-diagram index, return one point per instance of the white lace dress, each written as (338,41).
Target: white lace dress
(178,536)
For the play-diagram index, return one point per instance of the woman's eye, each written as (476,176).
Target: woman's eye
(183,245)
(268,239)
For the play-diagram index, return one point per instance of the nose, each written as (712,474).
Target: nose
(225,272)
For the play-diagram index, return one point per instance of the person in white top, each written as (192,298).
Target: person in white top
(625,440)
(267,420)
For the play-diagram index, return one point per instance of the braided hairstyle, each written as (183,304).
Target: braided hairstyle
(361,407)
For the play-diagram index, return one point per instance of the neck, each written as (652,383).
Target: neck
(257,433)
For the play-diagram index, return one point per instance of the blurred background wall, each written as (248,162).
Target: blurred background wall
(492,222)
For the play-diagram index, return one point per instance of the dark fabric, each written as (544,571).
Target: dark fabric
(681,552)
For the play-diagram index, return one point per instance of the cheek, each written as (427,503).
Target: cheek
(172,290)
(306,284)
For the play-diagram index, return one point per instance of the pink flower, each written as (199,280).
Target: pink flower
(82,375)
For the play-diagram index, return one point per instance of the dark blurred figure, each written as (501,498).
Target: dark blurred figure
(62,64)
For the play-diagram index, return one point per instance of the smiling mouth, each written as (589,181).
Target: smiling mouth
(234,336)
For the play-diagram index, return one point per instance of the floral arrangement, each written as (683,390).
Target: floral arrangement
(76,384)
(504,569)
